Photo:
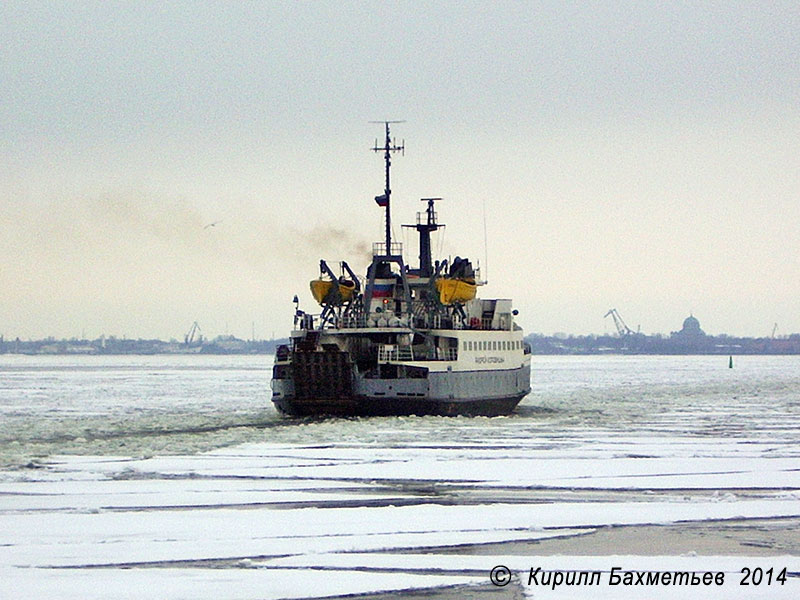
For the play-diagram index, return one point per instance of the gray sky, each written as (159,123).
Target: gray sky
(636,155)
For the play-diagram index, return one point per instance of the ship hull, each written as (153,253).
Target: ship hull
(363,406)
(449,393)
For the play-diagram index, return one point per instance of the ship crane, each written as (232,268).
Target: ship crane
(622,329)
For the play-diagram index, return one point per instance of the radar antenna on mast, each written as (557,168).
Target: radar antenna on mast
(388,147)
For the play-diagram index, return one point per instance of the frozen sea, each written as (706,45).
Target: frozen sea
(171,477)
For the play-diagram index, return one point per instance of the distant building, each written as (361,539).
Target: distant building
(691,329)
(690,339)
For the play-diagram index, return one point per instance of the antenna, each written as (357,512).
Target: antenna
(485,247)
(389,146)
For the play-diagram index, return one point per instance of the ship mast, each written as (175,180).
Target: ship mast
(385,200)
(425,229)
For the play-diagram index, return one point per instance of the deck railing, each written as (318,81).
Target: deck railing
(388,353)
(393,352)
(448,354)
(380,249)
(422,217)
(352,322)
(434,321)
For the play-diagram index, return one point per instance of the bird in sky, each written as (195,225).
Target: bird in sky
(212,224)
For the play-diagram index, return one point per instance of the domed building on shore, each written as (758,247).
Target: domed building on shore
(691,329)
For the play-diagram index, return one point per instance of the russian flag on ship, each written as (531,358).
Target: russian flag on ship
(382,200)
(382,290)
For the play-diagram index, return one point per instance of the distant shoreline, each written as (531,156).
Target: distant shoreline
(674,344)
(122,346)
(677,343)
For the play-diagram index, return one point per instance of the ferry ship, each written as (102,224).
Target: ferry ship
(402,340)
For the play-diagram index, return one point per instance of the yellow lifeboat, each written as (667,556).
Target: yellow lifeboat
(453,290)
(320,288)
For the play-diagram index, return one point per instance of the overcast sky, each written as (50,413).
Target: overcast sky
(637,155)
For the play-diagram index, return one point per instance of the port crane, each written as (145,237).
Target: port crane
(622,329)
